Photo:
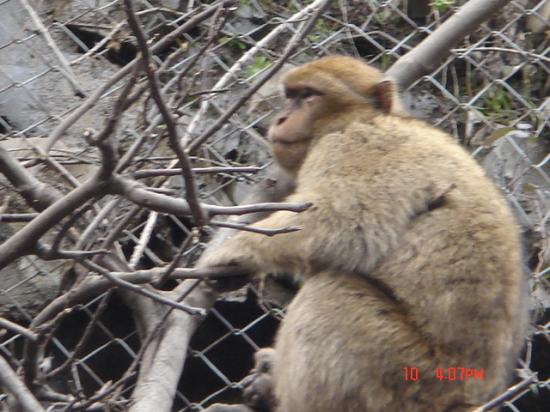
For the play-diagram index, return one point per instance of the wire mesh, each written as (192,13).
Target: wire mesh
(491,93)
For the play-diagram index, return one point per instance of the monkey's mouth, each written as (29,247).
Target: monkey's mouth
(284,142)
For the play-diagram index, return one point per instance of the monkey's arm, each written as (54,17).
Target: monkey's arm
(258,253)
(351,237)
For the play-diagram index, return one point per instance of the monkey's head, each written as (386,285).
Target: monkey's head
(321,97)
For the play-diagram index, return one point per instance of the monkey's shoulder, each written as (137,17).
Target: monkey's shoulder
(398,154)
(389,140)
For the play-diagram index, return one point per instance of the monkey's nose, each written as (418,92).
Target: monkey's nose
(281,120)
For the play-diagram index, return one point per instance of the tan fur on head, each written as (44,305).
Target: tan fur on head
(358,77)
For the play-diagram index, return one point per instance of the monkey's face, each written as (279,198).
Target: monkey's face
(322,97)
(292,130)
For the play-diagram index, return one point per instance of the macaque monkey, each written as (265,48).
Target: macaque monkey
(412,292)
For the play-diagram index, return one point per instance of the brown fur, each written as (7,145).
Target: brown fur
(410,255)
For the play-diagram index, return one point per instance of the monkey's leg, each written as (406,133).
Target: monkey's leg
(344,346)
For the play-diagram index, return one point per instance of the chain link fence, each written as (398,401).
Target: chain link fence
(491,93)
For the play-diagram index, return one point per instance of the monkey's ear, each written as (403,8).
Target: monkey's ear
(384,94)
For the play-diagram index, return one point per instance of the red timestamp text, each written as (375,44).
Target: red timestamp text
(450,374)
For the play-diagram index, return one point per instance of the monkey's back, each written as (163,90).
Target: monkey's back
(463,259)
(447,294)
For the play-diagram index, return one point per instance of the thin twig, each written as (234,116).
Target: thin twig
(17,217)
(191,238)
(65,68)
(12,384)
(144,173)
(213,33)
(248,228)
(140,195)
(123,72)
(37,194)
(523,53)
(95,285)
(23,241)
(143,240)
(152,75)
(84,337)
(118,281)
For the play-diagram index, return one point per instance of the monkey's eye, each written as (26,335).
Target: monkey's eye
(309,92)
(291,93)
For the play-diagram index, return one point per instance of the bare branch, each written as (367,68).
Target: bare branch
(17,217)
(37,194)
(95,285)
(117,281)
(156,48)
(425,57)
(11,382)
(65,67)
(145,173)
(247,228)
(239,64)
(152,76)
(23,241)
(165,355)
(14,327)
(139,195)
(317,7)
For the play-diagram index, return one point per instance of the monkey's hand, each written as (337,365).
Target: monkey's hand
(258,393)
(228,254)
